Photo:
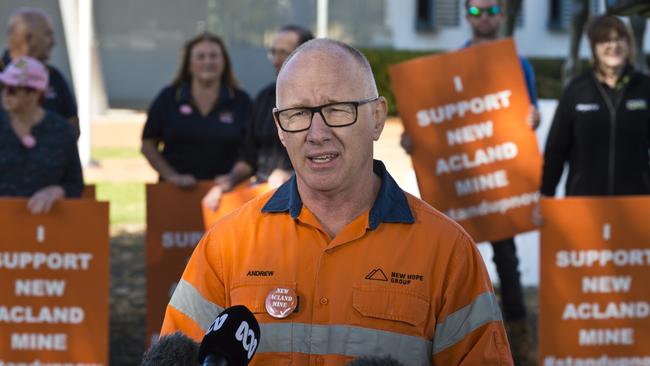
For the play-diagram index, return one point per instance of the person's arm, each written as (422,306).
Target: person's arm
(72,180)
(151,137)
(558,145)
(150,151)
(41,201)
(469,328)
(406,142)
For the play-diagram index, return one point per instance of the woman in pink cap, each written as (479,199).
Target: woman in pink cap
(38,151)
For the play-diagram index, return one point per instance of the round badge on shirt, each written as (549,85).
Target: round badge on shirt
(28,141)
(280,302)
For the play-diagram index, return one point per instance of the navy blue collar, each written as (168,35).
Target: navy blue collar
(390,205)
(184,94)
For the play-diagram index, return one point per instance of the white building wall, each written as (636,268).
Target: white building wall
(533,39)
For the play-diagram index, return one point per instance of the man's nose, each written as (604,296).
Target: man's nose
(318,131)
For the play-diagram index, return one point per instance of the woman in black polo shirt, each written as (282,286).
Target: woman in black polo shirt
(195,126)
(38,148)
(602,123)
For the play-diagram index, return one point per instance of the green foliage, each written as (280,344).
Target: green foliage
(127,201)
(380,60)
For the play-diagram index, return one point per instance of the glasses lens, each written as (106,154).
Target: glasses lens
(340,114)
(276,52)
(295,119)
(474,11)
(494,10)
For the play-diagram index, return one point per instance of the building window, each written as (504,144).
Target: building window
(434,14)
(561,12)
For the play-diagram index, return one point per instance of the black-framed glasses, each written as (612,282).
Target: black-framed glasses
(476,12)
(277,52)
(338,114)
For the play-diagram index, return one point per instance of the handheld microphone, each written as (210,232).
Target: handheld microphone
(231,340)
(172,350)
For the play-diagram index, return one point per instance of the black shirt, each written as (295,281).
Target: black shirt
(53,161)
(262,149)
(203,146)
(58,97)
(604,134)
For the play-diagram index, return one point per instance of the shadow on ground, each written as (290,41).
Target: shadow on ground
(127,298)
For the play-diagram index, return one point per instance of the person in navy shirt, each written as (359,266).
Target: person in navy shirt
(196,126)
(38,151)
(30,33)
(263,155)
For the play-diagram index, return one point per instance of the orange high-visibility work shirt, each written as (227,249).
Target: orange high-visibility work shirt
(400,280)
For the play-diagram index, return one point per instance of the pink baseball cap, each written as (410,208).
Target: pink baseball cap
(25,71)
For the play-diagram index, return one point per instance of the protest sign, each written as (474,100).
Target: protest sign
(594,294)
(475,157)
(174,227)
(232,200)
(54,278)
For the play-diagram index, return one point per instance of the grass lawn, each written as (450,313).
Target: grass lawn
(127,201)
(101,153)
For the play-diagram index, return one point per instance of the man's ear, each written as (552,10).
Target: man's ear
(380,113)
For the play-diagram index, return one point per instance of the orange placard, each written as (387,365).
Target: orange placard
(475,157)
(232,200)
(89,192)
(54,283)
(174,227)
(594,295)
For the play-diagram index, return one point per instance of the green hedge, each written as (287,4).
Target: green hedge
(380,60)
(547,72)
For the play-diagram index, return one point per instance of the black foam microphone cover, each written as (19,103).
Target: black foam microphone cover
(172,350)
(232,339)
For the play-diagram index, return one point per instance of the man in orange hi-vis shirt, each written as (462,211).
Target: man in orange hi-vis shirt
(339,262)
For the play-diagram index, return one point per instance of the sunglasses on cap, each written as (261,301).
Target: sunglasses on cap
(13,90)
(476,12)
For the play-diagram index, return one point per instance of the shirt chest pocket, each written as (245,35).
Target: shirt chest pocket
(392,310)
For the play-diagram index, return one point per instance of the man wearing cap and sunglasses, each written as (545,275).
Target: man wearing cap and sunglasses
(486,18)
(339,262)
(38,150)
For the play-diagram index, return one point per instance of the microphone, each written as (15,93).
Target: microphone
(374,361)
(231,340)
(172,350)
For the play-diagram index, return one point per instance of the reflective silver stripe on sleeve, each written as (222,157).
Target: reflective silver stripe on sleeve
(345,340)
(458,325)
(190,302)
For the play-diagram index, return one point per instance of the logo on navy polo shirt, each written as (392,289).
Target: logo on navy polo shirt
(587,107)
(636,105)
(226,117)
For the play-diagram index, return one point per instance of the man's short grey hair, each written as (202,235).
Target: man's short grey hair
(321,44)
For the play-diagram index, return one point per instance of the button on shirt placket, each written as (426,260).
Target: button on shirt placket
(320,312)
